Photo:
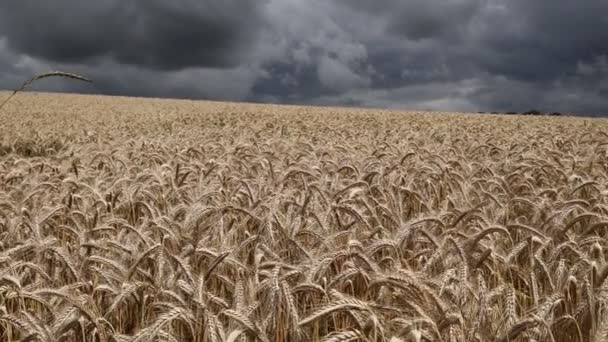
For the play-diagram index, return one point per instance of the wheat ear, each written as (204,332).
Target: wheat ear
(41,76)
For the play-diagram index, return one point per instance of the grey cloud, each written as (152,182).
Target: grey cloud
(15,68)
(338,76)
(493,55)
(502,94)
(421,19)
(288,83)
(207,83)
(312,53)
(541,40)
(111,78)
(440,96)
(166,35)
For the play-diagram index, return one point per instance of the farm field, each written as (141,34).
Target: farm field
(127,219)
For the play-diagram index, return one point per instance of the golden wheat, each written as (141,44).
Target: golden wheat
(125,219)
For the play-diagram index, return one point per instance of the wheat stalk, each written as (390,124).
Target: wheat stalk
(42,76)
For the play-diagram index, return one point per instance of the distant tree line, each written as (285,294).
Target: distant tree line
(529,112)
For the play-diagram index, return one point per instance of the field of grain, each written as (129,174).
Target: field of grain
(125,219)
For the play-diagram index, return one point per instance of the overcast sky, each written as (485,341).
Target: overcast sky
(454,55)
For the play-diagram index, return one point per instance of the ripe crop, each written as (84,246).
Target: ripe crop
(125,219)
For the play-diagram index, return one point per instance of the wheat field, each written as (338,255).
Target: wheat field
(125,219)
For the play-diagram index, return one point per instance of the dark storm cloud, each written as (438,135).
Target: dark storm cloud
(167,35)
(421,19)
(288,83)
(541,40)
(518,54)
(309,53)
(493,55)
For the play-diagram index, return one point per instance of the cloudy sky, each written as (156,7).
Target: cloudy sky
(457,55)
